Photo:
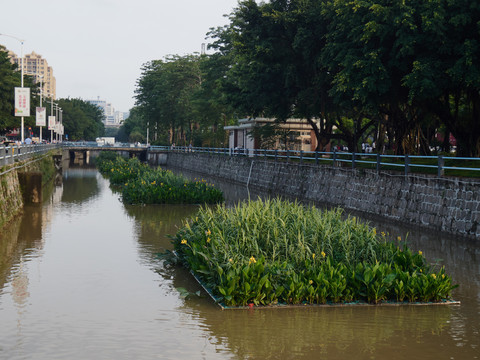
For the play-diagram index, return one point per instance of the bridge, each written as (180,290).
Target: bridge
(83,151)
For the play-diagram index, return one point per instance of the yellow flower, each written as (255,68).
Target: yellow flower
(208,240)
(421,270)
(154,182)
(323,254)
(374,231)
(310,282)
(434,276)
(383,233)
(420,252)
(184,241)
(443,276)
(399,238)
(313,255)
(231,260)
(208,233)
(252,260)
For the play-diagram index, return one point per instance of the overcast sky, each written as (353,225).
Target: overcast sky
(97,47)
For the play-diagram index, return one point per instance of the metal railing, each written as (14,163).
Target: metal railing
(15,153)
(440,165)
(407,164)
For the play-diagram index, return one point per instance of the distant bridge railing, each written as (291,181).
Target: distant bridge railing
(440,165)
(94,144)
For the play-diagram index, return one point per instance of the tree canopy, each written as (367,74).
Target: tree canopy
(396,72)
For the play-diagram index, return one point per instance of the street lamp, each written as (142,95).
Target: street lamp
(21,60)
(41,93)
(57,108)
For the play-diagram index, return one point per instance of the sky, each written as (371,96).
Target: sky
(97,47)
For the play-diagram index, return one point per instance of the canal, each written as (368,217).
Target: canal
(80,278)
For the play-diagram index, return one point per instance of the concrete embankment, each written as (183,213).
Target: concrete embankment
(22,183)
(450,205)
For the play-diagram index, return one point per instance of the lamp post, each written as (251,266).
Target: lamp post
(41,93)
(21,60)
(51,114)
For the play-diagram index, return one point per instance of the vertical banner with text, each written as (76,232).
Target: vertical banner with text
(51,123)
(22,101)
(41,113)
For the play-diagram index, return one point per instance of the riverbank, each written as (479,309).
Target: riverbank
(449,205)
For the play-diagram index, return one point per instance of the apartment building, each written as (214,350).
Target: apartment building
(36,66)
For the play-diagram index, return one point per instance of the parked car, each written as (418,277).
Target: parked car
(5,141)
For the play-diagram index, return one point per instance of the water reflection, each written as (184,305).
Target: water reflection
(338,333)
(82,185)
(81,278)
(154,224)
(20,240)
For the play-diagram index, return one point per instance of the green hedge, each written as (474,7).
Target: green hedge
(274,251)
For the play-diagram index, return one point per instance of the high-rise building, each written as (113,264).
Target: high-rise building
(107,108)
(36,66)
(112,117)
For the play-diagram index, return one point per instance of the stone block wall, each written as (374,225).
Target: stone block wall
(450,205)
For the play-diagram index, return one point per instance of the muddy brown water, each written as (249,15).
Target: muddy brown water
(80,278)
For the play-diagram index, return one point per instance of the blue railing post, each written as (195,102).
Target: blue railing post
(301,156)
(316,157)
(441,164)
(334,157)
(276,155)
(407,164)
(379,161)
(353,160)
(288,156)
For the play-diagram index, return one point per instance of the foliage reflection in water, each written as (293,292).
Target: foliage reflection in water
(81,278)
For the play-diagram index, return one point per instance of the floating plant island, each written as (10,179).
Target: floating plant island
(141,184)
(279,253)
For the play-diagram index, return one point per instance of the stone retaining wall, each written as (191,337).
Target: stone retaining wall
(16,184)
(445,204)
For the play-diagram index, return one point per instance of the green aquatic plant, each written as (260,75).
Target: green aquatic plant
(274,251)
(141,184)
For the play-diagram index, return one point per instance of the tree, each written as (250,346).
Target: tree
(164,91)
(82,120)
(9,79)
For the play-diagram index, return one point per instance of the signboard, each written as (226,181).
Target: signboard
(22,101)
(51,123)
(41,113)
